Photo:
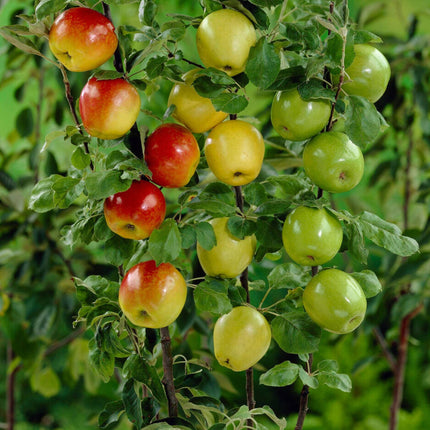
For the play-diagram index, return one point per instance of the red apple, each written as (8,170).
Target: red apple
(135,213)
(172,155)
(108,107)
(82,39)
(152,296)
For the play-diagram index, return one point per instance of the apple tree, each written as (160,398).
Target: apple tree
(200,218)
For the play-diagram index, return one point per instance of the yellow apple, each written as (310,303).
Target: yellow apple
(197,113)
(234,151)
(230,256)
(241,338)
(224,39)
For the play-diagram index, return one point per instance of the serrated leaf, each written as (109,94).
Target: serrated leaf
(309,380)
(280,375)
(339,381)
(314,89)
(369,282)
(212,207)
(263,64)
(205,235)
(296,333)
(42,196)
(273,207)
(111,414)
(269,232)
(132,404)
(241,227)
(147,12)
(47,7)
(212,296)
(103,184)
(102,361)
(165,242)
(80,159)
(288,275)
(21,42)
(230,103)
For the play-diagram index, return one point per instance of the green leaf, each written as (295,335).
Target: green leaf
(280,375)
(45,381)
(42,196)
(296,333)
(138,368)
(11,34)
(111,415)
(314,89)
(404,305)
(273,207)
(263,63)
(288,275)
(66,190)
(211,295)
(363,122)
(205,235)
(369,282)
(47,7)
(103,184)
(118,249)
(364,36)
(254,193)
(288,186)
(188,236)
(288,78)
(147,12)
(103,362)
(44,321)
(24,122)
(212,207)
(309,380)
(339,381)
(269,232)
(356,244)
(241,227)
(387,235)
(230,102)
(165,242)
(132,404)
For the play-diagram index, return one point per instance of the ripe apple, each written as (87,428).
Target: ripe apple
(191,109)
(234,151)
(335,301)
(241,338)
(296,119)
(333,162)
(230,256)
(108,107)
(135,213)
(152,296)
(172,155)
(311,236)
(224,39)
(369,73)
(82,39)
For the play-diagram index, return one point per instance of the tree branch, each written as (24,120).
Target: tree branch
(304,397)
(384,346)
(10,390)
(168,380)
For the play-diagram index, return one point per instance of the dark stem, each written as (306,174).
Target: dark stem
(168,380)
(65,341)
(304,397)
(399,373)
(383,344)
(10,390)
(117,61)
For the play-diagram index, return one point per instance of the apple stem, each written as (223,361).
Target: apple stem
(168,380)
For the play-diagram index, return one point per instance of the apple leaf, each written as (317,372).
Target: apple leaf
(111,414)
(147,12)
(132,405)
(404,305)
(339,381)
(387,235)
(24,122)
(103,184)
(296,333)
(118,249)
(230,102)
(205,235)
(314,89)
(364,36)
(369,282)
(47,7)
(241,227)
(288,186)
(355,240)
(80,159)
(269,232)
(307,379)
(288,78)
(211,295)
(45,381)
(263,63)
(254,193)
(165,242)
(281,375)
(288,275)
(273,207)
(11,34)
(102,361)
(212,207)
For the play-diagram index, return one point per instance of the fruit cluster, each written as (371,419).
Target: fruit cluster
(153,296)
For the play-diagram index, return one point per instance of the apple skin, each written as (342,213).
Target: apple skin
(234,151)
(230,256)
(369,73)
(108,107)
(296,119)
(333,162)
(172,155)
(241,338)
(82,39)
(335,301)
(136,212)
(224,38)
(197,113)
(152,296)
(311,236)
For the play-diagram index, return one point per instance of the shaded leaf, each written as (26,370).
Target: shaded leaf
(280,375)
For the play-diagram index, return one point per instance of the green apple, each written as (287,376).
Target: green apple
(191,109)
(333,162)
(224,38)
(335,301)
(241,338)
(152,296)
(234,152)
(311,236)
(82,39)
(230,256)
(369,73)
(296,119)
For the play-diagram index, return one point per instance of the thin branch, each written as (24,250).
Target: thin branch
(384,346)
(304,397)
(168,380)
(65,341)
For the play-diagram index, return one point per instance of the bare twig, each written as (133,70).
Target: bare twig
(168,380)
(304,397)
(384,346)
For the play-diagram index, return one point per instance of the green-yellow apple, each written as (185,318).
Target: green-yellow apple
(311,236)
(108,107)
(234,151)
(296,119)
(224,38)
(333,162)
(82,39)
(369,73)
(152,296)
(335,301)
(191,109)
(230,256)
(241,338)
(136,212)
(172,155)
